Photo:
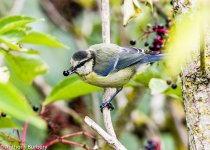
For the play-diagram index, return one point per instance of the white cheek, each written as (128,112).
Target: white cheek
(86,69)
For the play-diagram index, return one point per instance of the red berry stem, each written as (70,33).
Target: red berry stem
(62,140)
(24,135)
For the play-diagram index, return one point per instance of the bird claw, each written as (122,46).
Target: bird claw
(106,104)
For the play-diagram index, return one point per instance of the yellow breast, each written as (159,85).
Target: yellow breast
(116,79)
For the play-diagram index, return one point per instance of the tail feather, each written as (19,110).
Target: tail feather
(152,58)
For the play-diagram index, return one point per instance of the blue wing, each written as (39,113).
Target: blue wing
(133,56)
(106,58)
(105,68)
(110,61)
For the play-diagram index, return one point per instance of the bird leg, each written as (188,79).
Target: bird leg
(108,103)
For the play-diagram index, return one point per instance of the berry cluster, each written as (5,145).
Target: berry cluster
(173,86)
(160,32)
(152,145)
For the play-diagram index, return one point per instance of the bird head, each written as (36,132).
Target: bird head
(81,63)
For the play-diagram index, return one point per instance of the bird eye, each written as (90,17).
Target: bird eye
(80,64)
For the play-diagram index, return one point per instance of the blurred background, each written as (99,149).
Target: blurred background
(149,108)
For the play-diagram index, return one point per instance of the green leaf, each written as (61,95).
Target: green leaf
(157,86)
(42,39)
(14,35)
(26,66)
(175,93)
(6,122)
(131,9)
(13,22)
(69,88)
(149,3)
(10,45)
(13,103)
(155,71)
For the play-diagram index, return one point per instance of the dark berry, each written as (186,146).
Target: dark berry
(168,22)
(66,73)
(160,33)
(3,114)
(154,28)
(174,86)
(132,42)
(146,44)
(150,142)
(151,145)
(151,48)
(35,108)
(158,41)
(160,26)
(168,82)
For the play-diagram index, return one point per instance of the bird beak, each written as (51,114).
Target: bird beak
(69,71)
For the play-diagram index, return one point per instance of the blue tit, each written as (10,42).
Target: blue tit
(109,65)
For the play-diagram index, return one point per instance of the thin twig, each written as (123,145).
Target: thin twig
(202,52)
(24,135)
(107,113)
(112,141)
(75,144)
(62,140)
(105,16)
(78,133)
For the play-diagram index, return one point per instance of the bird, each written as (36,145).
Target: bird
(110,66)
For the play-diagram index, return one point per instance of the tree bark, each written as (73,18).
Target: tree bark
(196,88)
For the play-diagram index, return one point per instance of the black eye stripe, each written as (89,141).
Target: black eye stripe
(81,64)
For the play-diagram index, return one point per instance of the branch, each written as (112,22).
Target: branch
(105,18)
(107,113)
(112,141)
(106,39)
(196,88)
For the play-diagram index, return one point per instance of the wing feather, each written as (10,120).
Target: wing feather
(111,58)
(106,58)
